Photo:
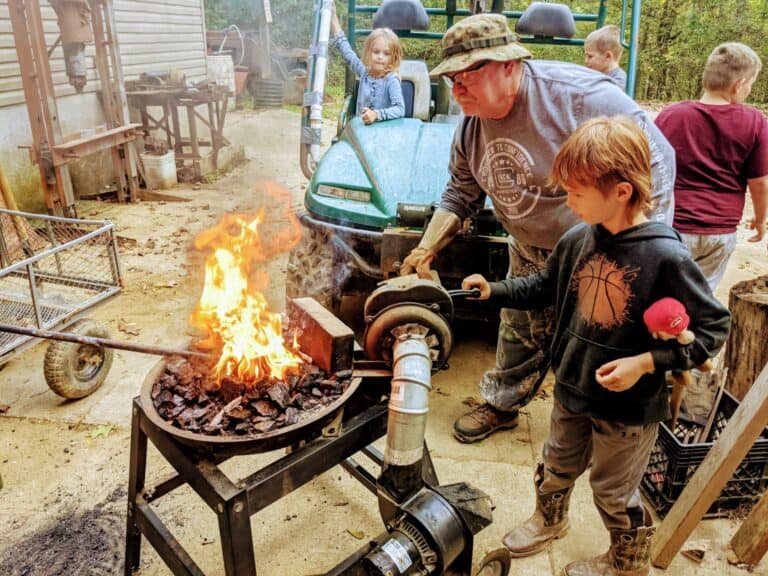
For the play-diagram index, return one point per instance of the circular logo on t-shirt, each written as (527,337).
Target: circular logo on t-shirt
(506,175)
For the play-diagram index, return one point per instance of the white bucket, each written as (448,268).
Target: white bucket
(221,71)
(160,170)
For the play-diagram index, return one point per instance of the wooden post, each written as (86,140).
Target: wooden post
(750,543)
(744,427)
(746,351)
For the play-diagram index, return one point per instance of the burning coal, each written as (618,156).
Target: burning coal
(181,396)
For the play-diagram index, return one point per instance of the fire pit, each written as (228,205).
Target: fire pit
(321,439)
(260,385)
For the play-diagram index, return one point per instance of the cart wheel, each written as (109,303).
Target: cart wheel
(495,563)
(75,370)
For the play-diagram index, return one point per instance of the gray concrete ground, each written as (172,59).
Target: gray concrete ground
(66,463)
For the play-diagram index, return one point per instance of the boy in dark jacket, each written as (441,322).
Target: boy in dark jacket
(610,392)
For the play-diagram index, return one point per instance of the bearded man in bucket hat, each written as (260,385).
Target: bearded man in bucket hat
(517,113)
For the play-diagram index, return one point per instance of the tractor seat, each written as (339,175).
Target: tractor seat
(547,19)
(414,76)
(401,15)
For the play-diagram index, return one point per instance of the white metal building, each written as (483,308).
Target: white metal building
(154,35)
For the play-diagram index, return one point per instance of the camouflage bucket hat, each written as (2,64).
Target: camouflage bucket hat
(477,38)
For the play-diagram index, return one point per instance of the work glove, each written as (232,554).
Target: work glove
(440,231)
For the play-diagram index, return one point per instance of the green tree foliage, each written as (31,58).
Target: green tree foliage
(291,19)
(678,35)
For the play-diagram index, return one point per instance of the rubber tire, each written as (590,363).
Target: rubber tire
(64,371)
(495,563)
(313,270)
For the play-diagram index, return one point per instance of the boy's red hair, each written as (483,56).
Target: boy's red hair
(604,151)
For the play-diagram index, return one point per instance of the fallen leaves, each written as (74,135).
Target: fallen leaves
(128,327)
(102,431)
(695,550)
(126,243)
(695,555)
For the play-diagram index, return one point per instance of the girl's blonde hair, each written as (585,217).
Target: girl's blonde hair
(604,151)
(728,63)
(394,46)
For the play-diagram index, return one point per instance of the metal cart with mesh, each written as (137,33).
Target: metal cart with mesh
(54,269)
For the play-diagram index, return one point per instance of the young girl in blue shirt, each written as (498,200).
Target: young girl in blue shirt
(380,95)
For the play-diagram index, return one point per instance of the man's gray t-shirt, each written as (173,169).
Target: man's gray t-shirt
(510,159)
(619,77)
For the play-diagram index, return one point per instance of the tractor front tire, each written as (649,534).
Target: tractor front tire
(73,370)
(313,270)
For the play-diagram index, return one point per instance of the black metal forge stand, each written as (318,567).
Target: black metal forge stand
(234,503)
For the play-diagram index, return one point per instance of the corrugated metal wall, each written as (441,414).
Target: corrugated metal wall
(153,35)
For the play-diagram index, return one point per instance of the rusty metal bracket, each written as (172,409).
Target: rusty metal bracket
(87,145)
(333,428)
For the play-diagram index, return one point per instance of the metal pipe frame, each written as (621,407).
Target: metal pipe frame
(451,12)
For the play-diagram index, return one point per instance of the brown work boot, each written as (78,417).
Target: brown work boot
(629,554)
(549,521)
(482,421)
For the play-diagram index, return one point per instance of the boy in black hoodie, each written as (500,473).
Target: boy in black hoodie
(610,391)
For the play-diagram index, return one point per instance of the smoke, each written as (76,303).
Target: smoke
(253,239)
(292,23)
(278,229)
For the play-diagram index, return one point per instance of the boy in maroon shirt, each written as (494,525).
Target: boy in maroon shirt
(721,148)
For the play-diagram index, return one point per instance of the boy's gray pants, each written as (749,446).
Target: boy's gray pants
(619,455)
(522,349)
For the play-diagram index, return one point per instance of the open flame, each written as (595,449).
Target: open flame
(232,310)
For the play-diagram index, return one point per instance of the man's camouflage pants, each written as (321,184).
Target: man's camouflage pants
(522,349)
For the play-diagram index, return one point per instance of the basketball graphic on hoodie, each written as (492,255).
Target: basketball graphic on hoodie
(604,291)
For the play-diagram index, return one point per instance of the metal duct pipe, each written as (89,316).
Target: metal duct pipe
(407,420)
(318,78)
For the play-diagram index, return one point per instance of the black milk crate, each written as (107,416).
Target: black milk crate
(672,463)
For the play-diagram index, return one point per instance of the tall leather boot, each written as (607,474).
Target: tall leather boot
(629,554)
(549,521)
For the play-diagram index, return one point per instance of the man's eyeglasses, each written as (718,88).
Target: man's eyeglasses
(466,76)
